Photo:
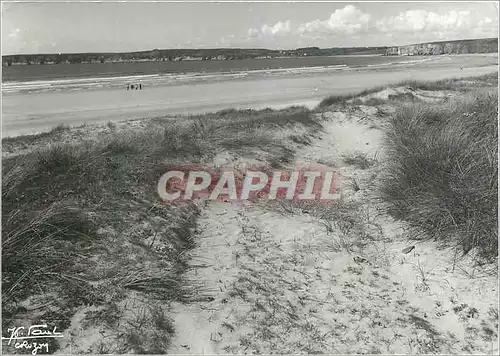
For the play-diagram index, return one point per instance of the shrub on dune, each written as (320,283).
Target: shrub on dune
(442,171)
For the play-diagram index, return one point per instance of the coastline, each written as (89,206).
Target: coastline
(197,94)
(179,78)
(172,78)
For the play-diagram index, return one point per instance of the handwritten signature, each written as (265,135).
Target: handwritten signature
(33,332)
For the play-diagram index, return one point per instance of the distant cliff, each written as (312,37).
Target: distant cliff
(483,45)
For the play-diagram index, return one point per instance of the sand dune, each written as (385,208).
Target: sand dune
(278,282)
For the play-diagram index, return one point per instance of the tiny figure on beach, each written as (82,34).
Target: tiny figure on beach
(134,86)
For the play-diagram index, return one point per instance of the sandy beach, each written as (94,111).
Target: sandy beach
(250,178)
(27,113)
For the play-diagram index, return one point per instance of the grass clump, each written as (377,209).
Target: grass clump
(374,102)
(68,212)
(406,96)
(442,171)
(358,159)
(343,98)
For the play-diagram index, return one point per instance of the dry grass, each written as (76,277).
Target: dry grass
(340,99)
(443,168)
(82,220)
(29,139)
(453,84)
(359,160)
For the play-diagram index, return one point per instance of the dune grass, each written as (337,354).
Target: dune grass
(359,160)
(452,84)
(442,171)
(340,99)
(83,226)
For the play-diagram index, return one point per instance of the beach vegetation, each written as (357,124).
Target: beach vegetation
(83,226)
(442,171)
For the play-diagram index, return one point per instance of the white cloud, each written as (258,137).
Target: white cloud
(278,29)
(486,28)
(411,25)
(348,20)
(421,20)
(452,23)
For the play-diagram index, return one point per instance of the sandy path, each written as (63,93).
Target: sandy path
(25,113)
(284,283)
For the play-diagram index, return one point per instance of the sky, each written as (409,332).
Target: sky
(65,27)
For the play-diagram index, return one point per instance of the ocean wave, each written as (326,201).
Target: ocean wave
(414,62)
(157,79)
(396,63)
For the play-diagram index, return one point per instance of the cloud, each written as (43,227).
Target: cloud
(486,28)
(280,28)
(451,23)
(348,20)
(421,20)
(412,25)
